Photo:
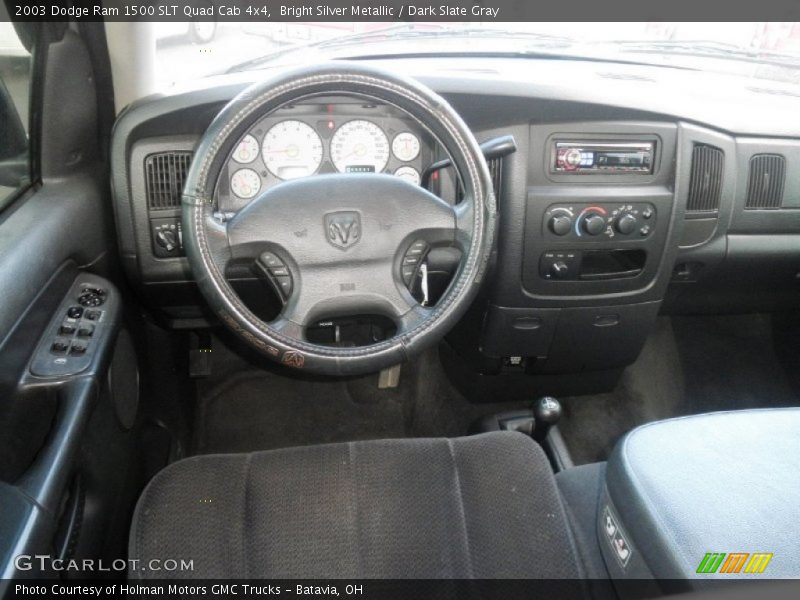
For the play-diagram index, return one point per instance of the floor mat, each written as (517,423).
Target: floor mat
(260,411)
(247,409)
(688,365)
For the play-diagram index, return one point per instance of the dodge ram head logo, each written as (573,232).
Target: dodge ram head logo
(343,228)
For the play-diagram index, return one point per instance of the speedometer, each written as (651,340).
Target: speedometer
(292,149)
(358,147)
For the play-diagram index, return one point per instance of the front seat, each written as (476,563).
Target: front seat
(484,506)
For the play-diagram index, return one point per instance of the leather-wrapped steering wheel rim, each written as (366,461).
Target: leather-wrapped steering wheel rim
(208,243)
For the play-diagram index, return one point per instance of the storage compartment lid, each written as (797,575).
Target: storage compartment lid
(711,496)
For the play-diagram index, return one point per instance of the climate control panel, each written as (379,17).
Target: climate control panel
(600,221)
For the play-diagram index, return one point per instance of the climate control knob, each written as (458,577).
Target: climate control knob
(594,224)
(560,224)
(625,223)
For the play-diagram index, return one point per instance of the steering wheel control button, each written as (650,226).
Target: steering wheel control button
(277,273)
(412,260)
(284,285)
(271,260)
(75,312)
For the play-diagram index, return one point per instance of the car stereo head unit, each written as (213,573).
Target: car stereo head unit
(603,157)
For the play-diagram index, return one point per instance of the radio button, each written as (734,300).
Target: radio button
(573,157)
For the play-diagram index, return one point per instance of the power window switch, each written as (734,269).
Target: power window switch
(77,349)
(86,331)
(59,347)
(93,315)
(66,329)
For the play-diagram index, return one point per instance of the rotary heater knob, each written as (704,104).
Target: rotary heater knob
(560,224)
(626,223)
(594,224)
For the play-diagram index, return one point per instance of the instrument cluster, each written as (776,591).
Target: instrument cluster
(324,136)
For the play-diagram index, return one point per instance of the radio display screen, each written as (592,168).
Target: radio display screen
(603,157)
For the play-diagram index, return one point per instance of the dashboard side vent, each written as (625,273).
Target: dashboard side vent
(165,174)
(767,178)
(705,180)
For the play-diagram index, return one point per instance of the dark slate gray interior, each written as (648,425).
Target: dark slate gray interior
(258,469)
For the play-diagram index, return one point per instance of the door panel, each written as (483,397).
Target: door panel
(55,241)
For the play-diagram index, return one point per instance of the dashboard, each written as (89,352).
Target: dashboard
(634,191)
(324,135)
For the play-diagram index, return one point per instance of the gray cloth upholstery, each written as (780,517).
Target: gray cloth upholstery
(484,506)
(723,482)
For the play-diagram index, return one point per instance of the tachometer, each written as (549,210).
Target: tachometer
(359,146)
(245,183)
(247,150)
(405,146)
(292,149)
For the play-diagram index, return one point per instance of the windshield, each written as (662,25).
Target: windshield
(186,51)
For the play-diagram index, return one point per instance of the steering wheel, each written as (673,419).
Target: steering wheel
(343,238)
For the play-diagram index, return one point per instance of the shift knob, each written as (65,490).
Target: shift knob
(546,412)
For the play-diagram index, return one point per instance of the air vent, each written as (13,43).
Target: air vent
(166,174)
(705,181)
(767,176)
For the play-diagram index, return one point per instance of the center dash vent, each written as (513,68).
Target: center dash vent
(705,180)
(165,175)
(767,178)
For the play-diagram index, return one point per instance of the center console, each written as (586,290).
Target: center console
(594,237)
(673,511)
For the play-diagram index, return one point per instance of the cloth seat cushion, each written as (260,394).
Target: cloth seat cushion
(484,506)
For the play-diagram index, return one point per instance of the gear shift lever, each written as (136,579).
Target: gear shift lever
(546,413)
